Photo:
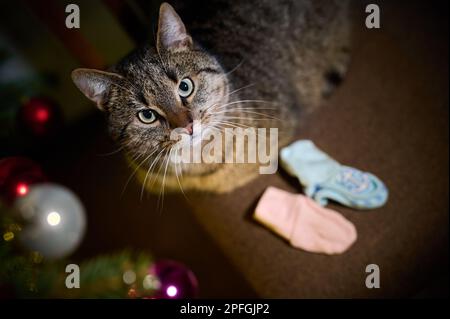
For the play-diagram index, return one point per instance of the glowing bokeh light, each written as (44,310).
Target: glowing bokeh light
(8,236)
(21,189)
(42,115)
(129,277)
(53,218)
(151,282)
(172,291)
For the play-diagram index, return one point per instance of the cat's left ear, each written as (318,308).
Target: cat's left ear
(95,84)
(172,34)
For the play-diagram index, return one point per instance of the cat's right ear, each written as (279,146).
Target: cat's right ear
(95,84)
(172,34)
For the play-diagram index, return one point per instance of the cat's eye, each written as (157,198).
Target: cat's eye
(147,116)
(185,88)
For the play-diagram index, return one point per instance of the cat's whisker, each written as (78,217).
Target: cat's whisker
(247,119)
(205,111)
(121,148)
(240,89)
(167,157)
(234,69)
(266,116)
(236,125)
(178,164)
(233,124)
(229,94)
(243,116)
(242,102)
(159,165)
(214,127)
(112,152)
(226,107)
(138,166)
(158,173)
(155,161)
(136,156)
(133,158)
(236,109)
(238,114)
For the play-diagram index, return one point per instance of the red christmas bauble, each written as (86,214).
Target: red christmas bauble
(40,116)
(16,176)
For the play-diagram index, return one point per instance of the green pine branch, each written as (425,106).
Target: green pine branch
(100,277)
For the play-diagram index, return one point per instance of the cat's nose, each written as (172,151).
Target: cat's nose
(190,128)
(182,120)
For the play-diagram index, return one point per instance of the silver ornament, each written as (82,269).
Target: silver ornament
(54,220)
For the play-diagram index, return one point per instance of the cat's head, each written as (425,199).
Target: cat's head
(158,89)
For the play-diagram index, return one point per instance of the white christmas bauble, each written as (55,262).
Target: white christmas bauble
(54,220)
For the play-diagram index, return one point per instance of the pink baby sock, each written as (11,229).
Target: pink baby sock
(304,223)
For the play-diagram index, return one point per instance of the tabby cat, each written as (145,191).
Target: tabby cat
(254,63)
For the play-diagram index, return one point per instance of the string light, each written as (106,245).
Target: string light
(21,189)
(42,115)
(132,293)
(172,291)
(53,218)
(129,277)
(8,236)
(151,282)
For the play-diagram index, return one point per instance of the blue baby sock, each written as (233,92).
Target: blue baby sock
(325,179)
